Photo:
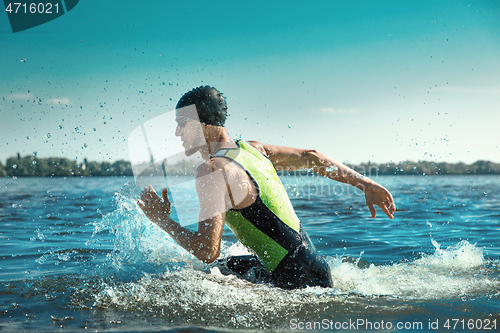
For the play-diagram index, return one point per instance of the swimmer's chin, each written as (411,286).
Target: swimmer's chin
(190,151)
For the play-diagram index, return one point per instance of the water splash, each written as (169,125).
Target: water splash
(153,276)
(209,298)
(454,271)
(139,245)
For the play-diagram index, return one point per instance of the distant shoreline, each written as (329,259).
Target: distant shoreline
(31,166)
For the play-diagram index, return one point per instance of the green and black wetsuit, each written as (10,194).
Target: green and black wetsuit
(270,227)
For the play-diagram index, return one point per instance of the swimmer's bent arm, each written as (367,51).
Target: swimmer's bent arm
(203,244)
(292,159)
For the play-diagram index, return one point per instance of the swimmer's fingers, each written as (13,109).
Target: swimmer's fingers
(164,195)
(378,195)
(152,205)
(392,206)
(372,211)
(386,209)
(148,193)
(148,197)
(388,206)
(142,206)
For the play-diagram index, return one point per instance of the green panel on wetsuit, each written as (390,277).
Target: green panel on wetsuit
(271,190)
(272,194)
(270,252)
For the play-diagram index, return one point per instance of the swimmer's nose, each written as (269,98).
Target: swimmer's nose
(178,131)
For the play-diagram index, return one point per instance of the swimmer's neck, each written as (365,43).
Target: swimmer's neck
(217,138)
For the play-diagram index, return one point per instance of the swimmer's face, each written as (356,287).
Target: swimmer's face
(191,133)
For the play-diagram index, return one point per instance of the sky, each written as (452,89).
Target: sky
(379,81)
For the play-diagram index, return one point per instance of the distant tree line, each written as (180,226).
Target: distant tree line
(31,166)
(418,168)
(430,168)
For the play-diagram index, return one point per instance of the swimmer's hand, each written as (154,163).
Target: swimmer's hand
(378,195)
(156,209)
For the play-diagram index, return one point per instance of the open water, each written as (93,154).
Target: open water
(76,255)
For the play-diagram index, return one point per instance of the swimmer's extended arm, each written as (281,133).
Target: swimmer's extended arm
(203,244)
(292,159)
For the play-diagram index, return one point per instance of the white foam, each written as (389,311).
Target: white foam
(446,273)
(236,249)
(174,284)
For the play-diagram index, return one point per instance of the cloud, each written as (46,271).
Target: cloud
(23,97)
(30,97)
(339,111)
(469,90)
(63,101)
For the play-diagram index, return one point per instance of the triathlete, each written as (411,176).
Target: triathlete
(238,185)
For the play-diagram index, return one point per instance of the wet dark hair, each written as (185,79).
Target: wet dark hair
(210,105)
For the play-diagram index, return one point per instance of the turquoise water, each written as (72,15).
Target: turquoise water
(77,255)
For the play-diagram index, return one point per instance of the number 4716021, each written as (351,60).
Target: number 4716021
(32,8)
(472,324)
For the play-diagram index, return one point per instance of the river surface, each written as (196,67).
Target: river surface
(76,254)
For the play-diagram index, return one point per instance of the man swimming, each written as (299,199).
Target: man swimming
(238,185)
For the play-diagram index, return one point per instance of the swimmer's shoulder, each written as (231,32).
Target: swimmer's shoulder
(214,164)
(211,165)
(259,146)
